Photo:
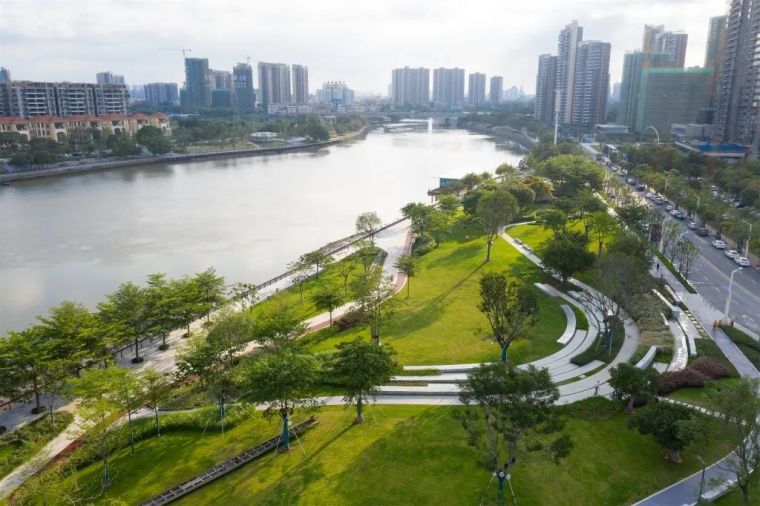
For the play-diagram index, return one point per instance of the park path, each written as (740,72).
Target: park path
(396,241)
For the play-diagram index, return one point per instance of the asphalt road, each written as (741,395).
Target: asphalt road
(711,274)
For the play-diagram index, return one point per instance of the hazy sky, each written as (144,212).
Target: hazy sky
(356,41)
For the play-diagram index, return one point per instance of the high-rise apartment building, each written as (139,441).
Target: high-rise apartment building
(161,93)
(109,78)
(634,63)
(242,83)
(672,95)
(220,79)
(716,43)
(448,87)
(567,46)
(300,84)
(615,95)
(28,99)
(197,88)
(5,74)
(274,83)
(476,89)
(496,88)
(674,44)
(592,83)
(649,42)
(335,93)
(410,87)
(546,86)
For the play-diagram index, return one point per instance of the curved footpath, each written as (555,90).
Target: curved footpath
(395,240)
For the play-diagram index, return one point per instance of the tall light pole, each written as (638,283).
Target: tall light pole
(749,238)
(728,296)
(702,481)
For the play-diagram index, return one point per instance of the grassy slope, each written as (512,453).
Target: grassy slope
(21,445)
(409,455)
(440,322)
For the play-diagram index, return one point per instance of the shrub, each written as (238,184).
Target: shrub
(591,409)
(710,368)
(422,245)
(672,381)
(535,446)
(349,320)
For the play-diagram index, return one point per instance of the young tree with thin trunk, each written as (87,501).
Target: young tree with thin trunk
(495,210)
(408,265)
(418,214)
(299,273)
(328,298)
(686,254)
(631,383)
(25,355)
(162,307)
(373,294)
(368,223)
(244,293)
(602,226)
(316,259)
(509,306)
(438,225)
(345,269)
(125,315)
(449,204)
(154,386)
(211,290)
(567,255)
(361,366)
(283,380)
(55,376)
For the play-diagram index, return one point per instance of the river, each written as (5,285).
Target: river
(78,237)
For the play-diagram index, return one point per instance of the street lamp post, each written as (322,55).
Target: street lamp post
(749,238)
(608,331)
(702,481)
(728,296)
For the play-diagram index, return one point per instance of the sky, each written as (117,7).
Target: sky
(356,41)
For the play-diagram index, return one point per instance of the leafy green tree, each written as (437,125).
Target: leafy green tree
(125,315)
(631,383)
(470,201)
(299,274)
(122,145)
(25,356)
(161,307)
(244,293)
(211,290)
(506,171)
(345,269)
(512,403)
(54,378)
(328,298)
(586,204)
(368,223)
(188,308)
(449,204)
(373,294)
(283,380)
(438,225)
(602,226)
(509,306)
(556,221)
(408,265)
(153,139)
(362,366)
(668,424)
(570,173)
(418,214)
(494,211)
(155,386)
(317,259)
(277,328)
(522,193)
(567,255)
(72,331)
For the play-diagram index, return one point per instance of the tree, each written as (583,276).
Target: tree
(244,293)
(406,264)
(125,315)
(299,273)
(571,173)
(317,259)
(283,380)
(438,225)
(418,214)
(620,277)
(736,420)
(494,211)
(72,332)
(25,356)
(449,204)
(556,221)
(631,383)
(509,306)
(373,294)
(668,424)
(512,402)
(522,193)
(186,294)
(586,204)
(155,386)
(470,201)
(602,225)
(161,307)
(361,366)
(122,145)
(153,139)
(670,232)
(328,298)
(686,254)
(632,214)
(368,223)
(211,290)
(54,377)
(506,171)
(567,255)
(345,268)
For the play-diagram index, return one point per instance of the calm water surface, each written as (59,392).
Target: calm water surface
(77,237)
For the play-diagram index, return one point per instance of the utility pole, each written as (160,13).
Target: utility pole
(728,296)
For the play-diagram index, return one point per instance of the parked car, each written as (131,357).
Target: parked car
(717,243)
(659,201)
(680,215)
(742,261)
(630,181)
(641,187)
(702,232)
(731,253)
(692,225)
(669,207)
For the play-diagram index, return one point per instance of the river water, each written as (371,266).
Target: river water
(78,237)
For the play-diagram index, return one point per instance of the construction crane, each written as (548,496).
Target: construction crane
(183,49)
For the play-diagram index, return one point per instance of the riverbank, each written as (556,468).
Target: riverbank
(179,158)
(507,133)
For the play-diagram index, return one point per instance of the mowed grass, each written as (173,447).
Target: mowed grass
(20,445)
(401,455)
(535,235)
(440,323)
(330,276)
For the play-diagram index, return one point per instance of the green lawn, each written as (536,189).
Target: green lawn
(22,444)
(746,344)
(402,455)
(698,396)
(535,235)
(440,322)
(330,276)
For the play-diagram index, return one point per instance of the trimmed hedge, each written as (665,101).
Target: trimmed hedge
(699,372)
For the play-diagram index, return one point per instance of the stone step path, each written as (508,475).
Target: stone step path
(569,332)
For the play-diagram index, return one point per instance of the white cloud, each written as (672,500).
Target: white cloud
(355,41)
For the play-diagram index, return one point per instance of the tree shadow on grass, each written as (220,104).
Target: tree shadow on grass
(457,256)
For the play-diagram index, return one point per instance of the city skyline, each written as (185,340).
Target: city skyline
(82,50)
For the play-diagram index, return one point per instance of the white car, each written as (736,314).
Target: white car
(669,207)
(692,225)
(717,243)
(742,261)
(731,253)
